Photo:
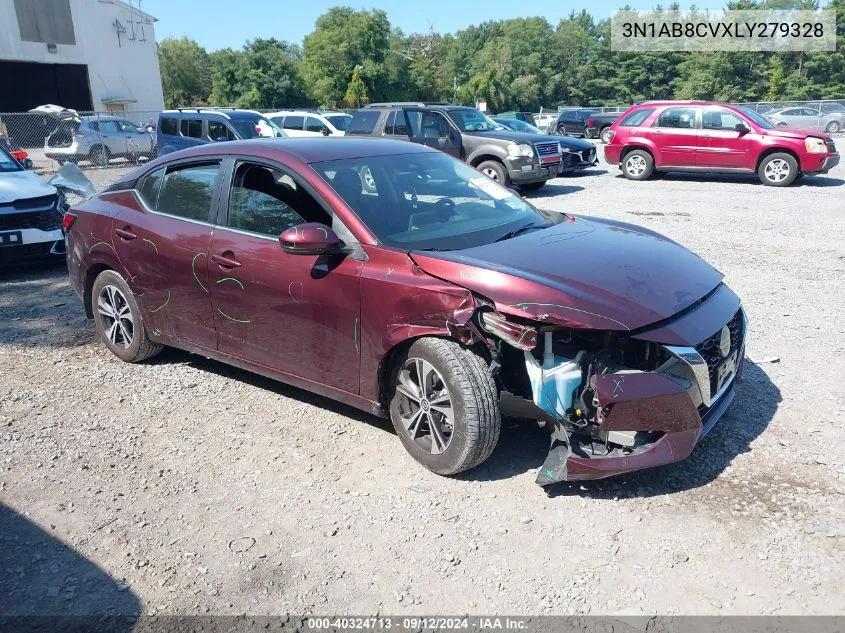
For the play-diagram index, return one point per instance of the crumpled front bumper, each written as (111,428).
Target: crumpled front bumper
(671,414)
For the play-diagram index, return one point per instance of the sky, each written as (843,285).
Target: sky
(230,24)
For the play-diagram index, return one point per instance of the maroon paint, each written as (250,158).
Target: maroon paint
(643,402)
(327,323)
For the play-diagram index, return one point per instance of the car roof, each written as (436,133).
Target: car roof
(305,149)
(228,113)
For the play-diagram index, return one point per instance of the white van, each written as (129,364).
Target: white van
(311,122)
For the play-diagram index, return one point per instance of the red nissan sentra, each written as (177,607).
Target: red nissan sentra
(399,280)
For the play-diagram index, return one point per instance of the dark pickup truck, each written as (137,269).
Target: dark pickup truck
(518,158)
(587,123)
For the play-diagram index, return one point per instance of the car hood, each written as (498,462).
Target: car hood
(583,273)
(528,137)
(21,185)
(796,133)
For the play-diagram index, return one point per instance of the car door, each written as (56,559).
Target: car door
(314,127)
(113,137)
(722,146)
(293,125)
(163,240)
(433,129)
(138,140)
(296,314)
(675,132)
(192,132)
(811,119)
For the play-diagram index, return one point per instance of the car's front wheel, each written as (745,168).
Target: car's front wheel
(778,170)
(637,165)
(444,405)
(496,171)
(118,321)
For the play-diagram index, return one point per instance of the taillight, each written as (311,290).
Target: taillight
(67,221)
(610,134)
(589,123)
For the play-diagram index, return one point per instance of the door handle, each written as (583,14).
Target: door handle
(657,132)
(125,234)
(706,135)
(225,262)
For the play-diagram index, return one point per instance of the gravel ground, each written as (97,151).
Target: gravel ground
(184,486)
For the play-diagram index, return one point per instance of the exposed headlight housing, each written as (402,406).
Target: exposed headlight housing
(521,149)
(815,145)
(519,336)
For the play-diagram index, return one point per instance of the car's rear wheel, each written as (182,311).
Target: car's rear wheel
(606,135)
(444,405)
(833,127)
(637,165)
(118,321)
(778,170)
(99,156)
(496,171)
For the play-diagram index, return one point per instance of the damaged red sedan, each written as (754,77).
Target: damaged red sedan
(399,280)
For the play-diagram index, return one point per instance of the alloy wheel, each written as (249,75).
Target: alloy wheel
(635,165)
(490,173)
(777,170)
(833,127)
(425,406)
(116,316)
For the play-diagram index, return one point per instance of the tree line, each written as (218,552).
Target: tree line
(355,57)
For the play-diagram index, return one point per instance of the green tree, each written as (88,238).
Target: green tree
(356,92)
(343,39)
(185,72)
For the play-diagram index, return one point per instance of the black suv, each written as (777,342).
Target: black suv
(586,123)
(519,158)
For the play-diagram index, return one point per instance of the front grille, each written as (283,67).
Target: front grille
(549,153)
(44,220)
(712,355)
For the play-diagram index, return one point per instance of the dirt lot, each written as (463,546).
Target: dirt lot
(185,486)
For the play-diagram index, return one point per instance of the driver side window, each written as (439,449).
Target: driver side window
(720,119)
(267,201)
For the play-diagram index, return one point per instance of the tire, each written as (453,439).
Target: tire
(27,163)
(533,186)
(495,170)
(587,133)
(465,380)
(638,165)
(116,294)
(778,170)
(605,135)
(99,156)
(833,127)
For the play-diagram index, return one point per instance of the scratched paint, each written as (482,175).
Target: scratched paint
(296,291)
(524,306)
(355,334)
(194,270)
(163,304)
(232,318)
(151,243)
(232,279)
(93,246)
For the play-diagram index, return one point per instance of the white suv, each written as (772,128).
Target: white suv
(311,122)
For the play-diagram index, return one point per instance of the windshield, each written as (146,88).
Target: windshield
(340,121)
(521,126)
(429,201)
(758,119)
(258,127)
(473,120)
(7,163)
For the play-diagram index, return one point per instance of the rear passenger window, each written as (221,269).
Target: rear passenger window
(169,126)
(150,185)
(313,124)
(636,118)
(293,123)
(192,128)
(677,118)
(364,122)
(187,191)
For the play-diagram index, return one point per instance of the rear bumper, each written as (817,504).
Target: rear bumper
(612,154)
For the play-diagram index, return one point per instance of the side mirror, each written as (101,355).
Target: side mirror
(325,130)
(310,239)
(742,128)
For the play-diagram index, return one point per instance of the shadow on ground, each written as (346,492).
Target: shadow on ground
(523,447)
(39,308)
(751,179)
(45,585)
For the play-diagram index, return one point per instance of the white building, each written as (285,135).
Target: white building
(82,54)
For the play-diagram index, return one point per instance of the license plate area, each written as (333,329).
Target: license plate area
(726,370)
(11,238)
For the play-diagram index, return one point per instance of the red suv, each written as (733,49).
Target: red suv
(700,136)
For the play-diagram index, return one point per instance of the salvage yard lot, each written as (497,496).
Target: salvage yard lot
(186,486)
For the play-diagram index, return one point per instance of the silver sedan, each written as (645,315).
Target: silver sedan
(807,118)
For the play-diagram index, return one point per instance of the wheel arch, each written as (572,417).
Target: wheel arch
(483,154)
(777,149)
(635,146)
(91,275)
